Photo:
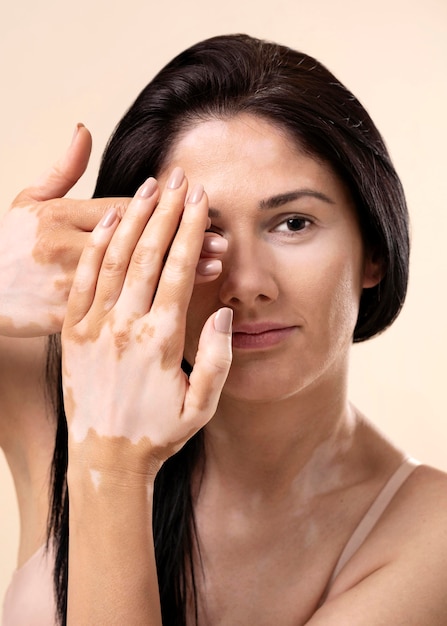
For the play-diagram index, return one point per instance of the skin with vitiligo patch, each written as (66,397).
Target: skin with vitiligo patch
(128,403)
(143,349)
(37,271)
(289,469)
(42,236)
(115,453)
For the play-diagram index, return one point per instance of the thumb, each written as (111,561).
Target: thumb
(60,178)
(211,367)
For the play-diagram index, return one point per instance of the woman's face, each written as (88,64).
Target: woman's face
(295,265)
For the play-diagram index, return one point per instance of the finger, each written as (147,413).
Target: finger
(60,178)
(207,271)
(67,214)
(213,245)
(178,275)
(148,258)
(119,253)
(211,367)
(85,280)
(210,263)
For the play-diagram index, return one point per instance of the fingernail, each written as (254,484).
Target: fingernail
(176,178)
(148,188)
(223,320)
(196,194)
(108,218)
(209,267)
(76,131)
(214,243)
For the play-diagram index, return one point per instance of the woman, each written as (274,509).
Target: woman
(272,498)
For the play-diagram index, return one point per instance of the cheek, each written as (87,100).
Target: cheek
(340,288)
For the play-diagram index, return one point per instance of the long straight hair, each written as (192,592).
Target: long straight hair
(217,79)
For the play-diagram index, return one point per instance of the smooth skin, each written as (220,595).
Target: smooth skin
(291,466)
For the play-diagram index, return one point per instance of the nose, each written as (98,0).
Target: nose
(248,277)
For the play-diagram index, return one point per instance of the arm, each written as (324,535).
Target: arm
(41,238)
(129,405)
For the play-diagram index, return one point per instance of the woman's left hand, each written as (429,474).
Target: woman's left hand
(127,399)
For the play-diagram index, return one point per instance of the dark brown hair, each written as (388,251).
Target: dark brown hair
(219,78)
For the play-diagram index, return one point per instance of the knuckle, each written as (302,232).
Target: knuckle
(114,263)
(179,264)
(146,255)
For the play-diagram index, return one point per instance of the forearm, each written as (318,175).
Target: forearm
(112,574)
(22,391)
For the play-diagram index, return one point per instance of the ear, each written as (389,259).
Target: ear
(373,271)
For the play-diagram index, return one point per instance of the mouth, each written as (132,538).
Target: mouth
(258,337)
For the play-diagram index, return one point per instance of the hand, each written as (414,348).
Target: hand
(41,239)
(129,405)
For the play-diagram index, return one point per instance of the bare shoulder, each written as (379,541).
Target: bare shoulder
(421,503)
(398,574)
(414,525)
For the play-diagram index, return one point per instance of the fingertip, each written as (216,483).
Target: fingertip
(81,144)
(78,127)
(223,320)
(214,244)
(109,218)
(209,267)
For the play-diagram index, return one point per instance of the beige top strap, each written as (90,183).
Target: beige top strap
(373,514)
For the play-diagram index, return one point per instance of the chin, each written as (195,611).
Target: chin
(257,387)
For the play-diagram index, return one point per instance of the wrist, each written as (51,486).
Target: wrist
(115,462)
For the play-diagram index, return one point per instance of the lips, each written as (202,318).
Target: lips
(259,336)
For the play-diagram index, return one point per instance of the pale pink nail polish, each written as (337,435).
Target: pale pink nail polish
(196,194)
(148,188)
(223,320)
(109,218)
(176,178)
(209,267)
(215,244)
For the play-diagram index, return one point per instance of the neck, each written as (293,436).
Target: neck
(266,446)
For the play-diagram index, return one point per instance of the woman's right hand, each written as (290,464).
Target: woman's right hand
(41,239)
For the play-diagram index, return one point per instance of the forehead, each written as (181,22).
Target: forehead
(240,139)
(247,154)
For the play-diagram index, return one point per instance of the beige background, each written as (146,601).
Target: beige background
(86,61)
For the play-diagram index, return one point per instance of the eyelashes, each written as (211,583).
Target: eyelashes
(296,223)
(290,225)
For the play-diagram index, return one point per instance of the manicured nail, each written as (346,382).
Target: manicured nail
(223,320)
(214,243)
(148,188)
(209,267)
(196,194)
(109,218)
(176,178)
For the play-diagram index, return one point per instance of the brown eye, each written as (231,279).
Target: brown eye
(296,223)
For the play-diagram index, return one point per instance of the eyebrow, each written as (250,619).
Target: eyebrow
(283,198)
